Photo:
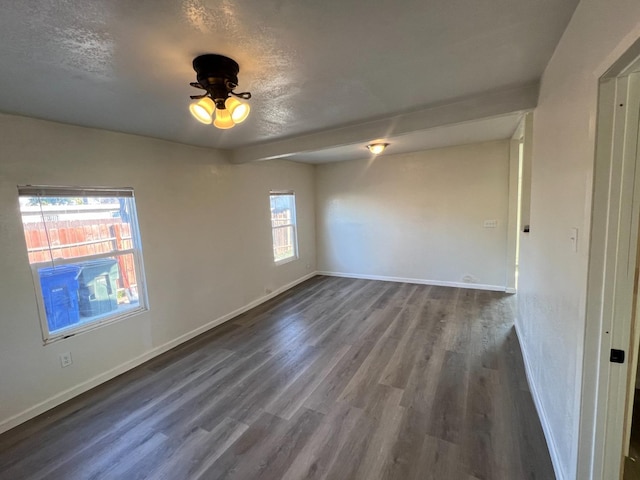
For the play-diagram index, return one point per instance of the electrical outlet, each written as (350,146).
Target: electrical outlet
(65,359)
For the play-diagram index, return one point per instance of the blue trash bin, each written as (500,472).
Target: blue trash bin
(60,295)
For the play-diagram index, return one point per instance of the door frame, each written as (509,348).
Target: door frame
(611,274)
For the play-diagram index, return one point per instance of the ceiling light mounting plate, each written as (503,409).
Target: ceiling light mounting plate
(218,76)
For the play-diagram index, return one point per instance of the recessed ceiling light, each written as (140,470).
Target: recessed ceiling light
(377,148)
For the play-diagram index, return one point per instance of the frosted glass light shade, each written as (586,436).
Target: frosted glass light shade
(239,110)
(202,110)
(223,119)
(377,148)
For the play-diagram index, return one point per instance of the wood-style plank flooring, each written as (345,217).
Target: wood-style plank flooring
(334,379)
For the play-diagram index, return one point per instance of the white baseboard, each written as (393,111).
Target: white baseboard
(551,444)
(420,281)
(76,390)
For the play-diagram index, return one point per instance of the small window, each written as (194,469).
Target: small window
(283,226)
(85,256)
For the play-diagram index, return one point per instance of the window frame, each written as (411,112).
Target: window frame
(135,251)
(293,224)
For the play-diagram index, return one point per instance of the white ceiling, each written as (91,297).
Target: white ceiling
(311,66)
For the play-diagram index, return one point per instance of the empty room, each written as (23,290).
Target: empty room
(320,240)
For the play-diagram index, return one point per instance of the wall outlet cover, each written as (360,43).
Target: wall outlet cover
(65,359)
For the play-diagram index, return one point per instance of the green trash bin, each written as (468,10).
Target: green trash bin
(97,289)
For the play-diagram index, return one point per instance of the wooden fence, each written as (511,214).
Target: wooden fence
(81,238)
(283,234)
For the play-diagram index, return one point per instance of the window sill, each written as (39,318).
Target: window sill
(92,325)
(286,260)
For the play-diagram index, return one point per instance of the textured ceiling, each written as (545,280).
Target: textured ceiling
(311,65)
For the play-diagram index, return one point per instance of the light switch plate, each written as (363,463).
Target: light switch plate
(490,224)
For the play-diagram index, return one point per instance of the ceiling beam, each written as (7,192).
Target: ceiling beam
(466,109)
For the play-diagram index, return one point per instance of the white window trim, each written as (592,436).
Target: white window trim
(143,301)
(294,224)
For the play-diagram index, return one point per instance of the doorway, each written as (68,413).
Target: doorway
(611,341)
(519,196)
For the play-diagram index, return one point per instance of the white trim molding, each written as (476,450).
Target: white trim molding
(542,415)
(419,281)
(611,275)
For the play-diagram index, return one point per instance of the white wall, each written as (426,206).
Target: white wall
(206,239)
(417,216)
(552,282)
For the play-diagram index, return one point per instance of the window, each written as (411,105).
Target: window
(85,256)
(283,226)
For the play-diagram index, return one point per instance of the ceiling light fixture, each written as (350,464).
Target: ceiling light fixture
(218,76)
(377,148)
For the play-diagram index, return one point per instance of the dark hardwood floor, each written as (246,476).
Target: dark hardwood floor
(334,379)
